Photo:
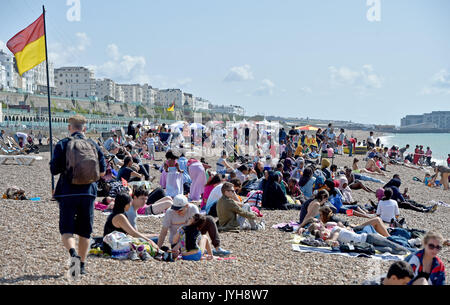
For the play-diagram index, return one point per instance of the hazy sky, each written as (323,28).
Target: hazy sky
(318,58)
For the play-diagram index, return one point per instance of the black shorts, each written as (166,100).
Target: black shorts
(76,215)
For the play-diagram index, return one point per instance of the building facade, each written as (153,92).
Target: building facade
(166,97)
(435,119)
(230,109)
(75,82)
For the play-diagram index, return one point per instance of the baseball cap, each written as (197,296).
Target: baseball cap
(179,202)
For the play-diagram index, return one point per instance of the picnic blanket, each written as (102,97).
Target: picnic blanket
(296,246)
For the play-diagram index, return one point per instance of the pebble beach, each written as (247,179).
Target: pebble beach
(31,251)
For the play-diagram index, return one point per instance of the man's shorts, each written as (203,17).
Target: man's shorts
(76,215)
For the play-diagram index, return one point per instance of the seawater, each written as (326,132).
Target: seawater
(439,143)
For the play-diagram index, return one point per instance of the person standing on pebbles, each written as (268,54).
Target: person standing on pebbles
(80,163)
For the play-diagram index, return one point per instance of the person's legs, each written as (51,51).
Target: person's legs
(83,224)
(444,180)
(160,206)
(408,206)
(210,227)
(380,241)
(143,171)
(377,224)
(156,195)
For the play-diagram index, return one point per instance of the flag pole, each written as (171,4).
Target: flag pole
(48,95)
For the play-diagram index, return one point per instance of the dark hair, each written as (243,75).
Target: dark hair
(307,174)
(127,160)
(388,193)
(236,182)
(214,180)
(226,187)
(322,194)
(122,199)
(333,167)
(199,220)
(400,269)
(326,211)
(140,191)
(242,168)
(170,155)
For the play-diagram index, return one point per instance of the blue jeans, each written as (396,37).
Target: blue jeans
(367,178)
(350,150)
(383,244)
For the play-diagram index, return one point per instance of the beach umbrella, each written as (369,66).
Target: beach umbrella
(179,124)
(307,127)
(197,126)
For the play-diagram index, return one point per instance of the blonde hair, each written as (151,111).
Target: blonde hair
(432,235)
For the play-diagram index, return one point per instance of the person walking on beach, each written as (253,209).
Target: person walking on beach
(428,156)
(402,152)
(80,163)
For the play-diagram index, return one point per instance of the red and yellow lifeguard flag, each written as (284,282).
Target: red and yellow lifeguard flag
(171,108)
(28,46)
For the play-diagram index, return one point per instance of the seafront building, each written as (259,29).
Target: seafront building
(75,82)
(433,120)
(79,83)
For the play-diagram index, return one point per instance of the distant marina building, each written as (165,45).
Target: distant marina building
(75,82)
(433,120)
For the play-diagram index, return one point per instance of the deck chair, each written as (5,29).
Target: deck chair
(19,159)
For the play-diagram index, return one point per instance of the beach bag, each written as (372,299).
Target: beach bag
(14,193)
(358,248)
(254,198)
(82,166)
(119,243)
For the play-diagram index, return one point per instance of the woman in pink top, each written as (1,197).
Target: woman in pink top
(212,183)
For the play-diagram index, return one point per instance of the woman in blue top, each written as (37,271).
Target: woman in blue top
(306,183)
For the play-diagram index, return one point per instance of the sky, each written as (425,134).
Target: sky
(365,61)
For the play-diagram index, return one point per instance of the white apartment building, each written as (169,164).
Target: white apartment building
(132,93)
(119,96)
(76,82)
(188,99)
(2,77)
(168,96)
(200,104)
(105,88)
(149,94)
(40,77)
(7,61)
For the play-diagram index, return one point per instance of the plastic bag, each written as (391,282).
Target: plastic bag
(119,243)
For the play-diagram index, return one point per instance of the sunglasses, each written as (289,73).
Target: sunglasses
(432,247)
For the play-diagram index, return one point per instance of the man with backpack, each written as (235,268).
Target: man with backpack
(80,163)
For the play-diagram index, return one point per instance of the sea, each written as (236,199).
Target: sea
(439,143)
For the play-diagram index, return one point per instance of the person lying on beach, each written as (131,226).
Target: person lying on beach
(357,170)
(333,235)
(404,203)
(372,167)
(327,215)
(354,181)
(187,241)
(399,273)
(427,266)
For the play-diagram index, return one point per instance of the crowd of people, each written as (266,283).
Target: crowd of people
(199,202)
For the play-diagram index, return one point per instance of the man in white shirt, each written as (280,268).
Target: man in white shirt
(178,215)
(387,208)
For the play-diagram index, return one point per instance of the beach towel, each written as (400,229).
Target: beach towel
(440,203)
(296,246)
